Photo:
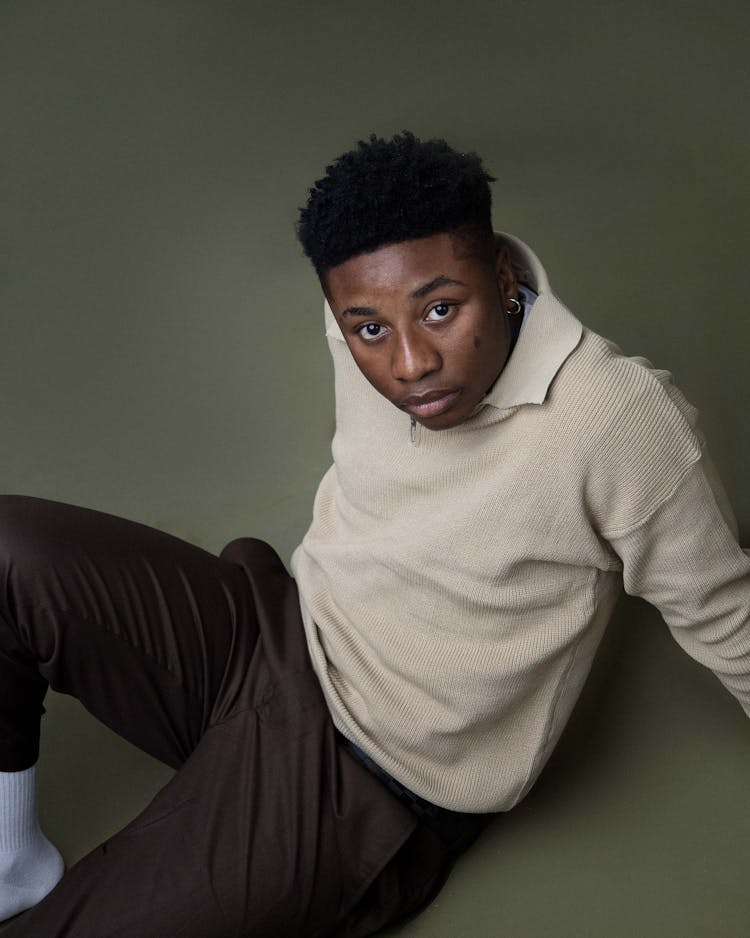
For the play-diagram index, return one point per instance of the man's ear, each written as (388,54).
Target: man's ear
(506,276)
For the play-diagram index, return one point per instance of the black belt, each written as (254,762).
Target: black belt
(456,829)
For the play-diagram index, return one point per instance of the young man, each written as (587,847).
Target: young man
(499,472)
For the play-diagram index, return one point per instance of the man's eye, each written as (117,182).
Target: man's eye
(370,330)
(439,311)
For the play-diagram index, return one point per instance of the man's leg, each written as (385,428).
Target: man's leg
(269,827)
(136,624)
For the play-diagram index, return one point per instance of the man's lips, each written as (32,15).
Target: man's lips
(431,403)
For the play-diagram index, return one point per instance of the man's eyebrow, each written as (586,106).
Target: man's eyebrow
(440,281)
(360,311)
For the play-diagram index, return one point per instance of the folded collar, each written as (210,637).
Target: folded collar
(549,334)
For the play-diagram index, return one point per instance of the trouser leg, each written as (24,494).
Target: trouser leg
(257,836)
(135,623)
(268,828)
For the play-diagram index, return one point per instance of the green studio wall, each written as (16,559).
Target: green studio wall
(161,351)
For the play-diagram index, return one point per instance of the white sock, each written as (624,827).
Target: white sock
(30,866)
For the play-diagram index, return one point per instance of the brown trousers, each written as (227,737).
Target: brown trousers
(270,827)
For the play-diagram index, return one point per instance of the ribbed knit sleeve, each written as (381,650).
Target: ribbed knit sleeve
(635,432)
(685,560)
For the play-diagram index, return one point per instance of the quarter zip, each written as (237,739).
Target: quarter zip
(413,430)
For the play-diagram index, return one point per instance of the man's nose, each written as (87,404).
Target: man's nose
(414,357)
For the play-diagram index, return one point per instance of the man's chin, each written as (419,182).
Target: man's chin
(446,421)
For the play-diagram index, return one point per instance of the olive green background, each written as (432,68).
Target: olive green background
(161,351)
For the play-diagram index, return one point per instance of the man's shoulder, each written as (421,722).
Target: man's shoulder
(634,432)
(602,384)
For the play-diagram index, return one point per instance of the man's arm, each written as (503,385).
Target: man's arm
(686,561)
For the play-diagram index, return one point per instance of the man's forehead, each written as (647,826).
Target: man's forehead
(411,267)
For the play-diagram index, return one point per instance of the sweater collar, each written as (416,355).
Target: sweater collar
(549,334)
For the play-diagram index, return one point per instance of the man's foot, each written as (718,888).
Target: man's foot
(27,875)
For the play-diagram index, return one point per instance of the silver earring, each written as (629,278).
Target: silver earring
(516,309)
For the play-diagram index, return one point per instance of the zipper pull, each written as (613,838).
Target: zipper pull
(413,431)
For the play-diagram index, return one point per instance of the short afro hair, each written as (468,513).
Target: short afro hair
(385,191)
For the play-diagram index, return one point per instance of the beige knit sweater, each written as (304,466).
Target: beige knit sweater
(454,590)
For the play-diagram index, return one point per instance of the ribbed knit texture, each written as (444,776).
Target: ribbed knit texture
(30,866)
(454,591)
(18,821)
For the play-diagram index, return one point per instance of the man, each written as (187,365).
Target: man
(499,471)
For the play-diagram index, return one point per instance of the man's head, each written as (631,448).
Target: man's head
(400,235)
(386,191)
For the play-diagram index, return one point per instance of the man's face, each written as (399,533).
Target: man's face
(426,324)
